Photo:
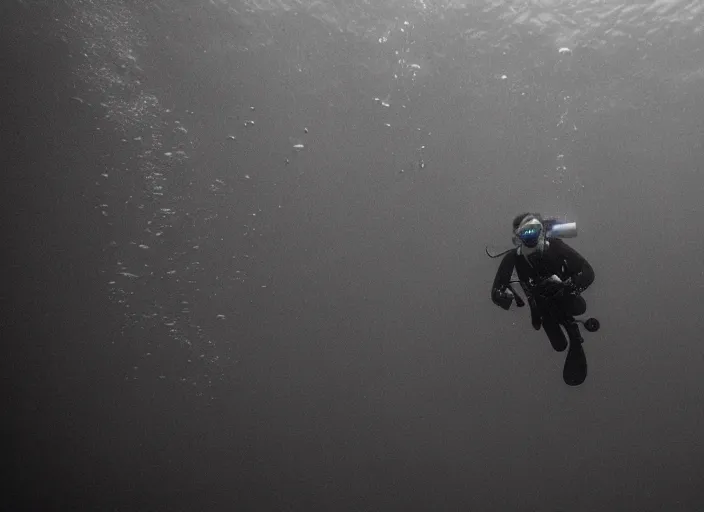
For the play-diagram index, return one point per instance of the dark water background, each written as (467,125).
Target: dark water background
(311,330)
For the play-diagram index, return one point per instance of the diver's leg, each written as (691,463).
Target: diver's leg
(572,329)
(575,306)
(568,308)
(554,332)
(535,315)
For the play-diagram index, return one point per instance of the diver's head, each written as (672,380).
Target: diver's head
(528,231)
(519,218)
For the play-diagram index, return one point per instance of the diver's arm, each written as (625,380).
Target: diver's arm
(580,272)
(499,295)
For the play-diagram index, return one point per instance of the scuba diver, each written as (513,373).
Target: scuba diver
(552,276)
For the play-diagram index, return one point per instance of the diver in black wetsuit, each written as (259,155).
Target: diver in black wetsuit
(552,275)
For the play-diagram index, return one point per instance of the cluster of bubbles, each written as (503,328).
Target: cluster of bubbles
(157,140)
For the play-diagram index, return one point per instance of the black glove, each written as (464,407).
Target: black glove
(560,290)
(503,298)
(507,296)
(568,288)
(554,289)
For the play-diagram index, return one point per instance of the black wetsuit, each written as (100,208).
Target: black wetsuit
(549,311)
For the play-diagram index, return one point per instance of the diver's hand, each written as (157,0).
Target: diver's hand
(507,295)
(503,298)
(569,286)
(563,289)
(554,288)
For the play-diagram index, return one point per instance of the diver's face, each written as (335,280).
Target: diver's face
(529,233)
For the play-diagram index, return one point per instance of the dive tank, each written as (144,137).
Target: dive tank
(557,229)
